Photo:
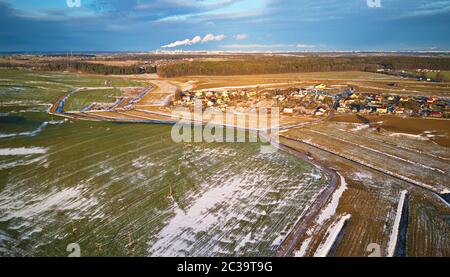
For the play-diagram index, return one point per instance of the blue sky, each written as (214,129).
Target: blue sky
(244,25)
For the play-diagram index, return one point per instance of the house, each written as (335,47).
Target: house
(382,110)
(321,86)
(437,114)
(288,111)
(320,112)
(425,112)
(399,111)
(354,96)
(371,97)
(342,110)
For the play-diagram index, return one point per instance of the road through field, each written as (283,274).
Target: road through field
(344,146)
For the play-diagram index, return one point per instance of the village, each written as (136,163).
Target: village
(316,101)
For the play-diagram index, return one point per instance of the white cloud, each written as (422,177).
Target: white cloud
(257,46)
(194,40)
(241,37)
(305,46)
(211,37)
(267,46)
(177,43)
(250,46)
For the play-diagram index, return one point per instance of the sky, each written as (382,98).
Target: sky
(224,25)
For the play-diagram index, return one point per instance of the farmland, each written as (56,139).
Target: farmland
(123,189)
(82,100)
(128,190)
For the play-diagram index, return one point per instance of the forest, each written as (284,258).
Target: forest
(272,65)
(84,67)
(239,64)
(97,68)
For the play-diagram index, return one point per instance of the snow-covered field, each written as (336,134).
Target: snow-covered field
(372,197)
(130,190)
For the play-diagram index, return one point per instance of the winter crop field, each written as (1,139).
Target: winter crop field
(127,189)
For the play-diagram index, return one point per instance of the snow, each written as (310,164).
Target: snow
(28,133)
(330,209)
(360,127)
(196,217)
(417,137)
(302,251)
(7,135)
(142,162)
(362,176)
(22,162)
(34,132)
(68,199)
(394,235)
(332,235)
(22,151)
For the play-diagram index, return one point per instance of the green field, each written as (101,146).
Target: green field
(81,99)
(445,74)
(129,190)
(24,86)
(432,75)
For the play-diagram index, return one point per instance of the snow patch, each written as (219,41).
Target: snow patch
(332,236)
(23,162)
(330,209)
(362,176)
(22,151)
(394,235)
(302,251)
(416,137)
(142,162)
(360,127)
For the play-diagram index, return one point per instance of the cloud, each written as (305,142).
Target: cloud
(241,37)
(305,46)
(256,46)
(195,40)
(211,37)
(268,46)
(142,25)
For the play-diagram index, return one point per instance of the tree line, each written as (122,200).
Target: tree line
(97,68)
(272,65)
(249,64)
(85,67)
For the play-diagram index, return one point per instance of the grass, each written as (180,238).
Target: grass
(432,75)
(82,99)
(45,87)
(446,75)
